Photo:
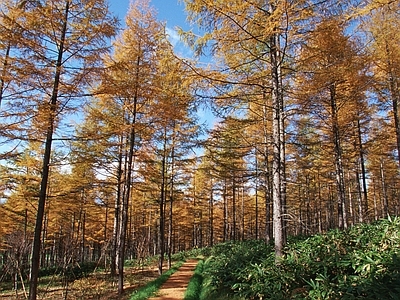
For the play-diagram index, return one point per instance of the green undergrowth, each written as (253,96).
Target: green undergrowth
(362,262)
(195,284)
(153,286)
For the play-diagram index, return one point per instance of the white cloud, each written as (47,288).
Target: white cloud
(173,36)
(180,48)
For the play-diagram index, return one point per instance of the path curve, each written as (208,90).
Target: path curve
(174,288)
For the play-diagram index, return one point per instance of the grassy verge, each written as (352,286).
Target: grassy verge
(153,286)
(195,284)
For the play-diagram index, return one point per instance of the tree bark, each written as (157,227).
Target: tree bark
(117,209)
(364,204)
(161,235)
(211,215)
(395,95)
(340,183)
(46,165)
(127,190)
(277,164)
(171,198)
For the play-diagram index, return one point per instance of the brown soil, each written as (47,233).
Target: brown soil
(99,286)
(174,288)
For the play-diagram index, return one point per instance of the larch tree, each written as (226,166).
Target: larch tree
(129,82)
(382,166)
(203,192)
(59,51)
(251,41)
(21,180)
(382,26)
(175,133)
(227,148)
(331,80)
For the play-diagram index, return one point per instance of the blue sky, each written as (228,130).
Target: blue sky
(169,11)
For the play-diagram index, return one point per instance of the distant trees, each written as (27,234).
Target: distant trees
(333,82)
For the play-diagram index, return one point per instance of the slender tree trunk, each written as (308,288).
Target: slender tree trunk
(127,183)
(211,215)
(126,198)
(4,71)
(234,231)
(282,151)
(340,183)
(161,235)
(105,238)
(395,95)
(256,198)
(171,198)
(385,210)
(277,148)
(243,213)
(225,236)
(117,208)
(319,205)
(364,205)
(83,245)
(46,165)
(350,197)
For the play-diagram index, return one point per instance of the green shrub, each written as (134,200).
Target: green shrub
(362,262)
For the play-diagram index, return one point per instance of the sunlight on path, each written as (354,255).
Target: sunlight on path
(174,288)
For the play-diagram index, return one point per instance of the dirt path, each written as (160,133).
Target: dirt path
(174,288)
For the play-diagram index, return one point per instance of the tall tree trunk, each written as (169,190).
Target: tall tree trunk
(211,216)
(46,165)
(125,198)
(340,183)
(224,197)
(161,235)
(267,173)
(350,201)
(277,163)
(385,205)
(395,95)
(234,233)
(117,211)
(364,205)
(171,198)
(243,213)
(256,197)
(282,159)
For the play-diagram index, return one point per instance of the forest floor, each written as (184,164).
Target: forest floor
(99,286)
(174,288)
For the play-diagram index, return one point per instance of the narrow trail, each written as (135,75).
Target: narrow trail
(174,288)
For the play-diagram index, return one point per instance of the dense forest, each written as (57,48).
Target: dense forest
(106,156)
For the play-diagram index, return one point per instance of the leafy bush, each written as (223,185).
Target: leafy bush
(360,263)
(227,265)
